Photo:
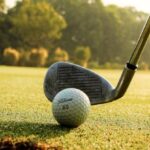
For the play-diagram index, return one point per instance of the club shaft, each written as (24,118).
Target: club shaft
(140,43)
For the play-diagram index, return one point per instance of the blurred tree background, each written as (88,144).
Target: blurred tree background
(41,32)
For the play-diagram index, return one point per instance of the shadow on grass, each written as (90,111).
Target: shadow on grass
(39,130)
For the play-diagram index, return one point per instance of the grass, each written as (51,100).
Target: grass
(25,113)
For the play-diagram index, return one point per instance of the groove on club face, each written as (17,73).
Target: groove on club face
(63,75)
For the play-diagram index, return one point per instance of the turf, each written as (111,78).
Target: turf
(25,113)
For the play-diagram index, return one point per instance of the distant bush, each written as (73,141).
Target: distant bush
(37,57)
(93,65)
(82,55)
(58,55)
(24,58)
(11,57)
(110,65)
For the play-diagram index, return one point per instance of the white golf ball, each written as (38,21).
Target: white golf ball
(71,107)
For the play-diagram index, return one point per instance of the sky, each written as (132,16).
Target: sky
(141,5)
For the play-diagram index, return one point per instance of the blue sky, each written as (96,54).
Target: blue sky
(143,5)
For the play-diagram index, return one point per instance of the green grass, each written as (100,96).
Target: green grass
(25,113)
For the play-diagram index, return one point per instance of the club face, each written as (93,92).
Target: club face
(63,75)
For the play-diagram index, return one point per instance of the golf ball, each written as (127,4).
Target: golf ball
(71,107)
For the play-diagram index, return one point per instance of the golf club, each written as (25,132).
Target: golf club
(63,75)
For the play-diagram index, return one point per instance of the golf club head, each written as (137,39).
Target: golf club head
(62,75)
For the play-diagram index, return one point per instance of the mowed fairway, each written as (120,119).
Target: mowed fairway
(25,113)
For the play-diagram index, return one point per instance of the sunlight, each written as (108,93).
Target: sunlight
(138,4)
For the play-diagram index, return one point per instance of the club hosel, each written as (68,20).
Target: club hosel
(125,80)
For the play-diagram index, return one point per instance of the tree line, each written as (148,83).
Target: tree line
(81,31)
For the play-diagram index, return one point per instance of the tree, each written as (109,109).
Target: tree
(2,6)
(110,32)
(122,27)
(3,28)
(34,25)
(85,26)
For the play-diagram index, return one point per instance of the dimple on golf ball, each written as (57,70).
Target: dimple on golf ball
(71,107)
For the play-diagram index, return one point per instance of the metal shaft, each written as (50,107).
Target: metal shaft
(140,44)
